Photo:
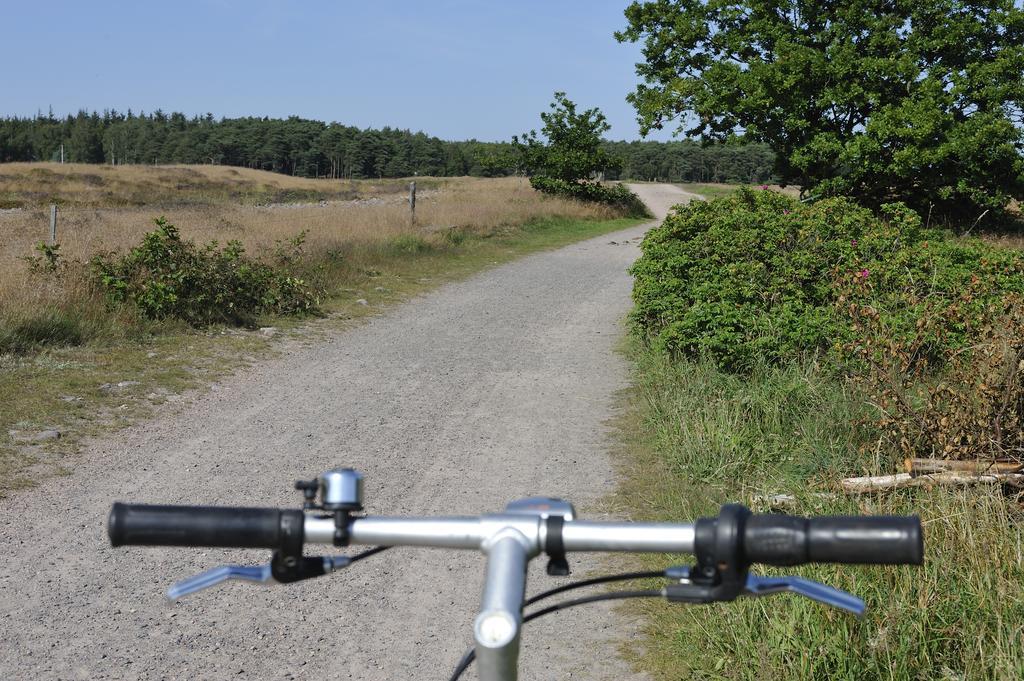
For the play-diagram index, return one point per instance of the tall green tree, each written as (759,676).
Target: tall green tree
(573,150)
(85,140)
(913,100)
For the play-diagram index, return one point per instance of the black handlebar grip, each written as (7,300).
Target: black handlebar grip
(248,528)
(788,540)
(895,540)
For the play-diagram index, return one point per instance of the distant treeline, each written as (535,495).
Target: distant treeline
(688,161)
(297,146)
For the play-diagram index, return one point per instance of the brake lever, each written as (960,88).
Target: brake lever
(268,573)
(205,580)
(757,586)
(687,590)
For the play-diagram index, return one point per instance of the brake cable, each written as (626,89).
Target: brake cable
(622,576)
(367,553)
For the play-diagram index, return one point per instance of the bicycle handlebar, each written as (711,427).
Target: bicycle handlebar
(724,547)
(771,539)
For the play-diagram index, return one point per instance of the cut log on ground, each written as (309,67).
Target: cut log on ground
(924,466)
(875,483)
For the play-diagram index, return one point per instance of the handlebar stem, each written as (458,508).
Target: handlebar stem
(510,541)
(496,629)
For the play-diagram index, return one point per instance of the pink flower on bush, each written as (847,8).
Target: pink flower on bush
(785,211)
(863,274)
(764,186)
(853,242)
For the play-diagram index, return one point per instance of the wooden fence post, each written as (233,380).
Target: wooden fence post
(412,203)
(53,224)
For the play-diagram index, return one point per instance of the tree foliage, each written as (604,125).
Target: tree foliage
(689,161)
(574,148)
(574,159)
(916,100)
(294,146)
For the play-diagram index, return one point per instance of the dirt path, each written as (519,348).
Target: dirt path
(456,402)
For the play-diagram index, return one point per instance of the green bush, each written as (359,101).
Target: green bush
(168,277)
(758,276)
(616,195)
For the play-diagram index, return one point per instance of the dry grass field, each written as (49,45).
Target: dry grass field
(36,185)
(353,231)
(476,205)
(1015,241)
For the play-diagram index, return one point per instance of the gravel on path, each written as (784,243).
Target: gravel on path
(456,402)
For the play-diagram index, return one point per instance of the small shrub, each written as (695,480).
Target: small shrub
(48,261)
(614,195)
(168,277)
(456,236)
(290,252)
(972,409)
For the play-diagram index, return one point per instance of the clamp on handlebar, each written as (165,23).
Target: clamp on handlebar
(721,570)
(554,546)
(553,513)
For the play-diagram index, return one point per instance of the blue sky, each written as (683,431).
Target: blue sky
(452,68)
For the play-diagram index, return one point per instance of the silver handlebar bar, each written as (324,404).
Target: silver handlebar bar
(476,532)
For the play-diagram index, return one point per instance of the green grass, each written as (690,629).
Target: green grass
(58,361)
(718,190)
(695,437)
(709,191)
